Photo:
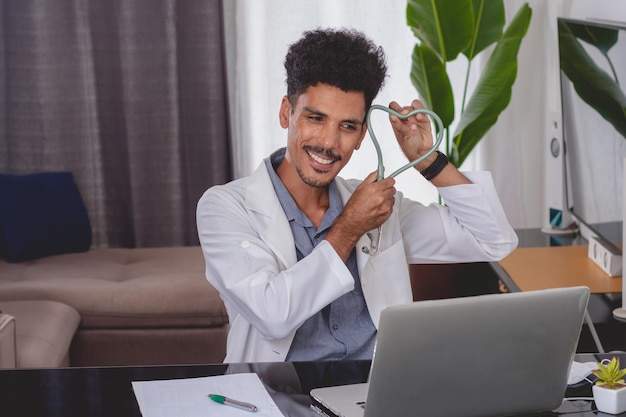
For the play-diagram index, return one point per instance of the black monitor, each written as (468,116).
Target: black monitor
(592,60)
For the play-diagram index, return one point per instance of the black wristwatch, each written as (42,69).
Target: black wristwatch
(436,167)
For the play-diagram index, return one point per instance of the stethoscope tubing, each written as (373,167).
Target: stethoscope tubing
(381,167)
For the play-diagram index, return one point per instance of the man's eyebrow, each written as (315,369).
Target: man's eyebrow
(357,122)
(321,113)
(314,111)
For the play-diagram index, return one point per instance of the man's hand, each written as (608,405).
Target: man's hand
(369,206)
(414,134)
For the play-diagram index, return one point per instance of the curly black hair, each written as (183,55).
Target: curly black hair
(342,58)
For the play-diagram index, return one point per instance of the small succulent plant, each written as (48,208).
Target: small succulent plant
(610,374)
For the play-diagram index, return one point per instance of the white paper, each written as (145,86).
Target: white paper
(188,397)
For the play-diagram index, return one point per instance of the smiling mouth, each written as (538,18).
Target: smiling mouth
(323,160)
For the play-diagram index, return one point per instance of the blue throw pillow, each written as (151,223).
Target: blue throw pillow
(41,215)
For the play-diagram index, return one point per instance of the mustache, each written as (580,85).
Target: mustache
(328,154)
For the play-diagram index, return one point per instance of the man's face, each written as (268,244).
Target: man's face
(324,128)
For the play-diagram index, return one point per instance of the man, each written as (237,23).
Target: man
(294,249)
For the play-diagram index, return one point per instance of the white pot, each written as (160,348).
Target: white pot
(612,401)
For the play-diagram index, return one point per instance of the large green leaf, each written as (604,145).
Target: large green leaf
(446,26)
(601,38)
(488,23)
(428,75)
(591,82)
(493,91)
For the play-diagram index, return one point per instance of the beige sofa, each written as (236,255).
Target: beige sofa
(145,306)
(43,337)
(134,307)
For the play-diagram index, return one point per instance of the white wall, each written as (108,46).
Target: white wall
(514,150)
(262,32)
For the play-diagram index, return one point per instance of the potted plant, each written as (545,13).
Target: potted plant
(447,29)
(609,391)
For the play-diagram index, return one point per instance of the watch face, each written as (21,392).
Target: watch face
(555,147)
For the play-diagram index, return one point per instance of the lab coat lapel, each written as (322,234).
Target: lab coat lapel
(271,223)
(346,190)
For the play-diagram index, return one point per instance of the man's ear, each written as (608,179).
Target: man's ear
(285,111)
(363,132)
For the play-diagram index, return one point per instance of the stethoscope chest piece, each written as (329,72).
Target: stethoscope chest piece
(374,243)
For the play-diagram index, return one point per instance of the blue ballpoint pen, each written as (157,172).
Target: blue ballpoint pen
(229,401)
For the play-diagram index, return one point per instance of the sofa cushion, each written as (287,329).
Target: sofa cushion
(122,288)
(42,214)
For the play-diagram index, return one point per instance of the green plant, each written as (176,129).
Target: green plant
(447,28)
(610,374)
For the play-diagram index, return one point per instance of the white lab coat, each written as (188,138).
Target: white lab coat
(251,259)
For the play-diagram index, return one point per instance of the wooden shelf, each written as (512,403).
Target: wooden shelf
(557,266)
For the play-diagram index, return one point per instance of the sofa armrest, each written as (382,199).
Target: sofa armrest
(8,349)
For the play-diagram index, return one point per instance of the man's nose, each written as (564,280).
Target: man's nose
(329,136)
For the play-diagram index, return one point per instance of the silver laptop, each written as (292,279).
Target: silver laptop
(488,355)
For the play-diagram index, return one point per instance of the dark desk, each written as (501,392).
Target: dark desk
(90,392)
(107,392)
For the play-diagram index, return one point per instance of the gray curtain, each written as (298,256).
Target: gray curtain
(128,95)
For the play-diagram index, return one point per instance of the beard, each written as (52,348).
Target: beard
(314,182)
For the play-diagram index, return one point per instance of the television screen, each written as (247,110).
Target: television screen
(592,58)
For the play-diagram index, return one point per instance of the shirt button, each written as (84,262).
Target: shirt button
(335,327)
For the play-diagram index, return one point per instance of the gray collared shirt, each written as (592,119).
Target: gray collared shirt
(343,329)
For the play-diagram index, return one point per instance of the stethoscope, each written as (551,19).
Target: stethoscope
(373,249)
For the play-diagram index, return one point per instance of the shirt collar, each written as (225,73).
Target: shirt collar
(290,207)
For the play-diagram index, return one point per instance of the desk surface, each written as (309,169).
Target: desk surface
(89,392)
(557,266)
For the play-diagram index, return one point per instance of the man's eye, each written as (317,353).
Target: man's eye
(316,118)
(349,126)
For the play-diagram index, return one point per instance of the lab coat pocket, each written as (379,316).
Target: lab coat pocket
(385,279)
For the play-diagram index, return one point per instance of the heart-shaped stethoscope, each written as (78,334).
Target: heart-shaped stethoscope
(373,249)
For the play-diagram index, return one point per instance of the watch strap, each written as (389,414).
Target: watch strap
(436,167)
